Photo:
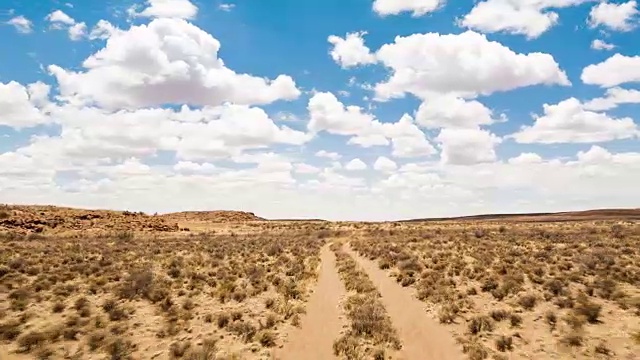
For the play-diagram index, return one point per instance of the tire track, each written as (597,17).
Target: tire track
(323,321)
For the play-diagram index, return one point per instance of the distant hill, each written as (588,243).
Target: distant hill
(587,215)
(218,216)
(55,219)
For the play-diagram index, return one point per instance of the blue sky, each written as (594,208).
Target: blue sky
(73,145)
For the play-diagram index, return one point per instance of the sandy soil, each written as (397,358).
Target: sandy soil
(421,336)
(323,321)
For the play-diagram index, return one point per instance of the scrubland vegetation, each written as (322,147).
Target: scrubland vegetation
(516,290)
(204,296)
(501,289)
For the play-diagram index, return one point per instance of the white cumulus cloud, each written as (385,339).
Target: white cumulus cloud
(467,146)
(526,17)
(416,7)
(21,24)
(355,165)
(384,164)
(183,9)
(58,17)
(351,50)
(613,97)
(452,111)
(168,61)
(569,122)
(21,106)
(619,17)
(328,154)
(598,44)
(616,70)
(466,64)
(60,20)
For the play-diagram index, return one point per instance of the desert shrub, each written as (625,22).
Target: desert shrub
(31,340)
(405,279)
(266,338)
(119,329)
(555,287)
(499,315)
(475,350)
(109,304)
(119,349)
(499,293)
(368,317)
(551,318)
(574,321)
(243,329)
(207,351)
(448,313)
(489,284)
(236,315)
(44,353)
(271,321)
(9,330)
(603,349)
(95,340)
(295,320)
(480,324)
(472,291)
(588,309)
(515,320)
(269,303)
(58,307)
(239,295)
(81,303)
(4,271)
(85,312)
(504,343)
(347,345)
(188,304)
(138,283)
(208,318)
(125,235)
(19,299)
(167,304)
(411,264)
(384,264)
(564,303)
(70,333)
(573,339)
(606,287)
(114,310)
(179,348)
(174,272)
(528,301)
(378,354)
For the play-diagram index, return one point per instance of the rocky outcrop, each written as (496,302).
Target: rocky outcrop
(41,219)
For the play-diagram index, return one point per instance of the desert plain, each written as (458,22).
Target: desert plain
(96,284)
